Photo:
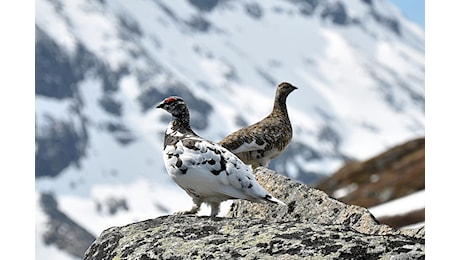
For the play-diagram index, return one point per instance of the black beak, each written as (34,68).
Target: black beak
(161,105)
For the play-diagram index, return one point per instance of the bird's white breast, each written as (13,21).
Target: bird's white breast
(211,171)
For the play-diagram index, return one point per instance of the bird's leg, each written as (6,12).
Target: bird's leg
(215,208)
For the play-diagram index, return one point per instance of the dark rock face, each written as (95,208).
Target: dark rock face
(120,132)
(306,7)
(55,76)
(204,5)
(112,206)
(389,22)
(312,225)
(111,105)
(369,2)
(254,10)
(336,12)
(198,24)
(63,232)
(58,145)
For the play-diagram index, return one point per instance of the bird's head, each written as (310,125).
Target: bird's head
(174,105)
(283,90)
(286,88)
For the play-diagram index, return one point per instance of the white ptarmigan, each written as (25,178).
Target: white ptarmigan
(207,171)
(259,143)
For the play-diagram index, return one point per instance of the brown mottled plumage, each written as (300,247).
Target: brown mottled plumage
(259,143)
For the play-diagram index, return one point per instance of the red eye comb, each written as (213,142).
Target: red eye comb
(170,99)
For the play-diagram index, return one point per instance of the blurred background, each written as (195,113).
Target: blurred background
(101,66)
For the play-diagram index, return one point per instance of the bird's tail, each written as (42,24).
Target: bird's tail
(270,198)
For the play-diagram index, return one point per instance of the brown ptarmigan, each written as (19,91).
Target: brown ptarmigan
(207,171)
(259,143)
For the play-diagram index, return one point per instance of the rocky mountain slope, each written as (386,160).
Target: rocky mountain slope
(396,173)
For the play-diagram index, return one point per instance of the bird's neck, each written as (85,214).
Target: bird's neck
(180,124)
(279,106)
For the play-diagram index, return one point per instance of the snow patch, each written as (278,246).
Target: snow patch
(342,192)
(406,204)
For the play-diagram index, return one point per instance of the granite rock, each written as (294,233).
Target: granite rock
(312,226)
(310,205)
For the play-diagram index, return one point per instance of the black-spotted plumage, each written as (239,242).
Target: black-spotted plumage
(207,171)
(259,143)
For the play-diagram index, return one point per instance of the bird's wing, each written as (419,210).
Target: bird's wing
(214,167)
(262,135)
(245,140)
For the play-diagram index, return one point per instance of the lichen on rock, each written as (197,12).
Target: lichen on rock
(312,226)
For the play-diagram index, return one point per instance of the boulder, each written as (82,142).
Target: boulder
(310,205)
(313,225)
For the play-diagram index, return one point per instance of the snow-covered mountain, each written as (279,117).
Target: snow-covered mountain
(101,66)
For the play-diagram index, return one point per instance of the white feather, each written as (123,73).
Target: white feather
(253,146)
(234,181)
